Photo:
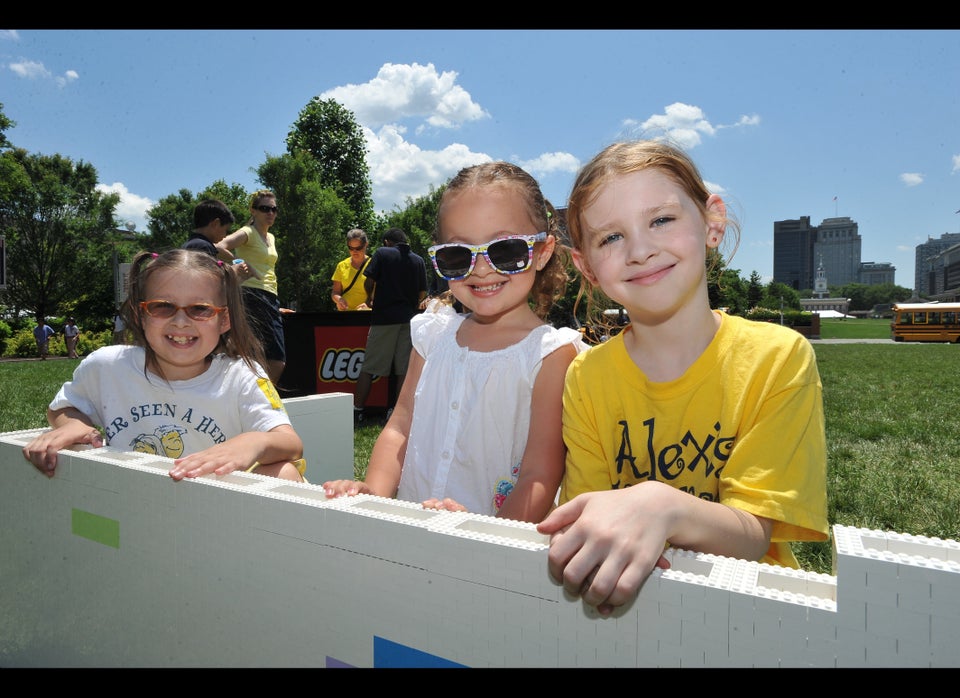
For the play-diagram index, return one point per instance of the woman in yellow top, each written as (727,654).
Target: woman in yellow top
(256,246)
(348,291)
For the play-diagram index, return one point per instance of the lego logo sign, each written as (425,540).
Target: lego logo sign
(339,356)
(340,365)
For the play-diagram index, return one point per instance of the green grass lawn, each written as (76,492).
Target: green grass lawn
(860,328)
(893,448)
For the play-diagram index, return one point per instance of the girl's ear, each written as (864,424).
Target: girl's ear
(225,321)
(581,264)
(542,256)
(716,220)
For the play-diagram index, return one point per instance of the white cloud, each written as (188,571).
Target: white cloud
(549,163)
(911,179)
(400,169)
(30,70)
(9,35)
(409,91)
(680,123)
(417,98)
(714,188)
(68,76)
(131,207)
(956,164)
(752,120)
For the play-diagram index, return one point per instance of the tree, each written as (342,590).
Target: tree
(170,220)
(57,227)
(866,296)
(730,292)
(417,219)
(754,290)
(5,123)
(779,295)
(329,132)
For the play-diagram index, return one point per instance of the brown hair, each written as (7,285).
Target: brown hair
(237,342)
(551,281)
(258,196)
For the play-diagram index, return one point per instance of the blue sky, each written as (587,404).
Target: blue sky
(783,123)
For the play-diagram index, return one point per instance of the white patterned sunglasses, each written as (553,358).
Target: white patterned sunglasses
(512,254)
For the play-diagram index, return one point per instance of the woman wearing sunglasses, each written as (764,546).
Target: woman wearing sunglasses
(477,423)
(191,387)
(256,246)
(348,291)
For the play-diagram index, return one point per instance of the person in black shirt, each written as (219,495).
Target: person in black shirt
(211,223)
(396,283)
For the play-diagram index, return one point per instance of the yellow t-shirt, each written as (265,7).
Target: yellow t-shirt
(344,273)
(260,256)
(744,426)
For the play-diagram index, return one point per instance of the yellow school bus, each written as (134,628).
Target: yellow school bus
(926,322)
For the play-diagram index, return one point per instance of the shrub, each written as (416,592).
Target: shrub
(22,345)
(6,332)
(791,317)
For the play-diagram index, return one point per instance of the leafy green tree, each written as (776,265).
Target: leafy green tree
(170,220)
(857,293)
(417,219)
(754,290)
(329,132)
(777,295)
(865,296)
(309,228)
(725,289)
(5,124)
(235,196)
(58,230)
(731,293)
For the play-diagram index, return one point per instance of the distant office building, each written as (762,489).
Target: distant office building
(929,276)
(793,260)
(876,273)
(951,268)
(838,245)
(947,277)
(804,253)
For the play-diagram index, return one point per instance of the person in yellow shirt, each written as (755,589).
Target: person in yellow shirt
(690,427)
(348,291)
(257,247)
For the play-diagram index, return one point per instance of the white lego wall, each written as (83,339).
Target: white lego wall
(324,423)
(113,564)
